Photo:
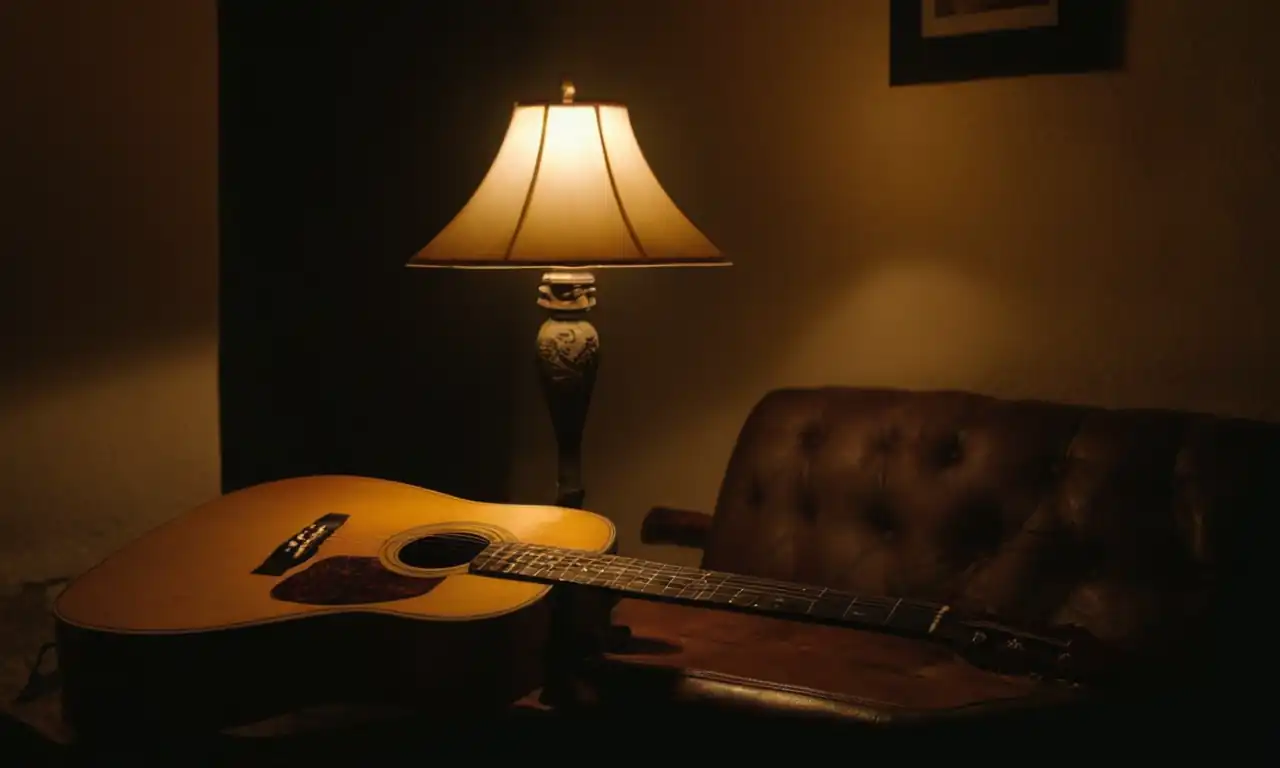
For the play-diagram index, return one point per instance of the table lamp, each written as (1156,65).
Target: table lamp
(569,192)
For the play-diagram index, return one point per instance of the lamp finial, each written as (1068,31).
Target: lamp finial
(567,91)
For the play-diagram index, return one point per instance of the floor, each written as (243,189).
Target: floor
(29,729)
(33,736)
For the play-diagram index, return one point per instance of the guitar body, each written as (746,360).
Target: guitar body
(177,630)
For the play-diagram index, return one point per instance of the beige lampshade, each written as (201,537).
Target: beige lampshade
(569,188)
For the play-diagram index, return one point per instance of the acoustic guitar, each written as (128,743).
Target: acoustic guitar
(332,588)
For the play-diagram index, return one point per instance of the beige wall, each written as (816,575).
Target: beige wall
(108,235)
(1107,238)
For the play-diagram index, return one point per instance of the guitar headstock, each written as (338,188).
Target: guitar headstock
(1069,654)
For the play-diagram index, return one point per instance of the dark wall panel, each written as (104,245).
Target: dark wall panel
(350,134)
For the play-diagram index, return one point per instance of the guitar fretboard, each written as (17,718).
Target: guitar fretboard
(695,586)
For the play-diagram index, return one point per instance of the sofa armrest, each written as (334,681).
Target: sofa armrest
(679,527)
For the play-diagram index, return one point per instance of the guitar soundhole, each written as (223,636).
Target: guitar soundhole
(442,550)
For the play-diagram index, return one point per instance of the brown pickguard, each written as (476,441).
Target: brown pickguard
(350,580)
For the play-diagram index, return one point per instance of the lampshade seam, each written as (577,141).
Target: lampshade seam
(533,182)
(613,185)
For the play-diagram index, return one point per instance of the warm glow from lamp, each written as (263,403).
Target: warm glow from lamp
(569,188)
(569,191)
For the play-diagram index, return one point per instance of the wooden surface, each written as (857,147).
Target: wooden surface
(40,721)
(880,670)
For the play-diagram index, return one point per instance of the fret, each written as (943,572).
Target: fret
(892,611)
(773,603)
(644,585)
(713,594)
(584,573)
(843,609)
(570,566)
(529,566)
(617,577)
(621,576)
(699,589)
(651,587)
(717,596)
(816,601)
(849,608)
(568,563)
(598,578)
(631,580)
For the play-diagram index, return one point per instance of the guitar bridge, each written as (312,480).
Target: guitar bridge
(301,546)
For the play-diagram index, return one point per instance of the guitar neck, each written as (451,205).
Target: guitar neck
(661,582)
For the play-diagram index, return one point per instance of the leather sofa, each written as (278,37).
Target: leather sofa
(1140,526)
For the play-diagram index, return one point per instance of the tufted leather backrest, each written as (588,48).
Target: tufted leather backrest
(1125,522)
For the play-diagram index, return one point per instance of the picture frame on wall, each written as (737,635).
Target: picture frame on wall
(936,41)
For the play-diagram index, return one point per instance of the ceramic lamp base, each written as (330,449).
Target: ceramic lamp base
(568,356)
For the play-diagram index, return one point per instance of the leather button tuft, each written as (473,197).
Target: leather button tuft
(811,438)
(808,506)
(973,529)
(885,442)
(1053,468)
(950,451)
(880,517)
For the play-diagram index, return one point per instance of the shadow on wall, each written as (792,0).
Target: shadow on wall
(352,134)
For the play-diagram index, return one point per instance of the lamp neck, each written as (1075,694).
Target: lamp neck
(567,293)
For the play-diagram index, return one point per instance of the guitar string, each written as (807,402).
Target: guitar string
(669,571)
(618,565)
(616,561)
(563,560)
